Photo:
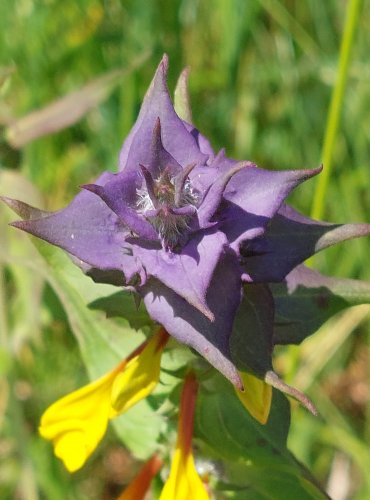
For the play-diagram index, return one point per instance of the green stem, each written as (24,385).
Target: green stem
(3,314)
(336,104)
(332,125)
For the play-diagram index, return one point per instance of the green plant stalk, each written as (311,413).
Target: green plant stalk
(332,125)
(3,314)
(336,104)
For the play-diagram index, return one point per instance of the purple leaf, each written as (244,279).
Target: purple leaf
(88,230)
(185,229)
(176,139)
(254,196)
(189,273)
(189,326)
(290,239)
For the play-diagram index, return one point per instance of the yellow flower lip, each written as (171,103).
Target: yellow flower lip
(77,422)
(184,482)
(140,375)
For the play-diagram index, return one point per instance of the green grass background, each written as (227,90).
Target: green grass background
(262,75)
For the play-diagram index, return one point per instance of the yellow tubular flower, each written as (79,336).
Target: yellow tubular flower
(184,482)
(140,376)
(77,422)
(256,397)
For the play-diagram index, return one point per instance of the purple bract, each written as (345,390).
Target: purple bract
(185,228)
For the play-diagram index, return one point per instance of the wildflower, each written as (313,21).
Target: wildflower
(187,229)
(77,422)
(184,482)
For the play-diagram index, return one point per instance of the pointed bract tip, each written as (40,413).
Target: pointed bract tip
(93,188)
(164,63)
(237,381)
(183,82)
(319,169)
(208,314)
(6,200)
(182,98)
(308,173)
(12,204)
(202,307)
(19,224)
(184,75)
(274,380)
(25,211)
(157,133)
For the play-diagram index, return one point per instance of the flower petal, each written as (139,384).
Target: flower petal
(140,375)
(77,422)
(184,482)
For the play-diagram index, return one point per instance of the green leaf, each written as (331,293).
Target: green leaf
(139,429)
(271,482)
(251,338)
(230,432)
(306,299)
(103,342)
(122,304)
(257,460)
(20,315)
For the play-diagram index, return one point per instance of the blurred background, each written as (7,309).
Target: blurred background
(262,74)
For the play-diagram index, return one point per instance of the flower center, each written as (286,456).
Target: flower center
(168,203)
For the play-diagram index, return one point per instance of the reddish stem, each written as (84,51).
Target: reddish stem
(187,410)
(139,487)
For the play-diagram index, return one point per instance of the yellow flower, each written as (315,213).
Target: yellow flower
(184,482)
(256,397)
(140,374)
(77,422)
